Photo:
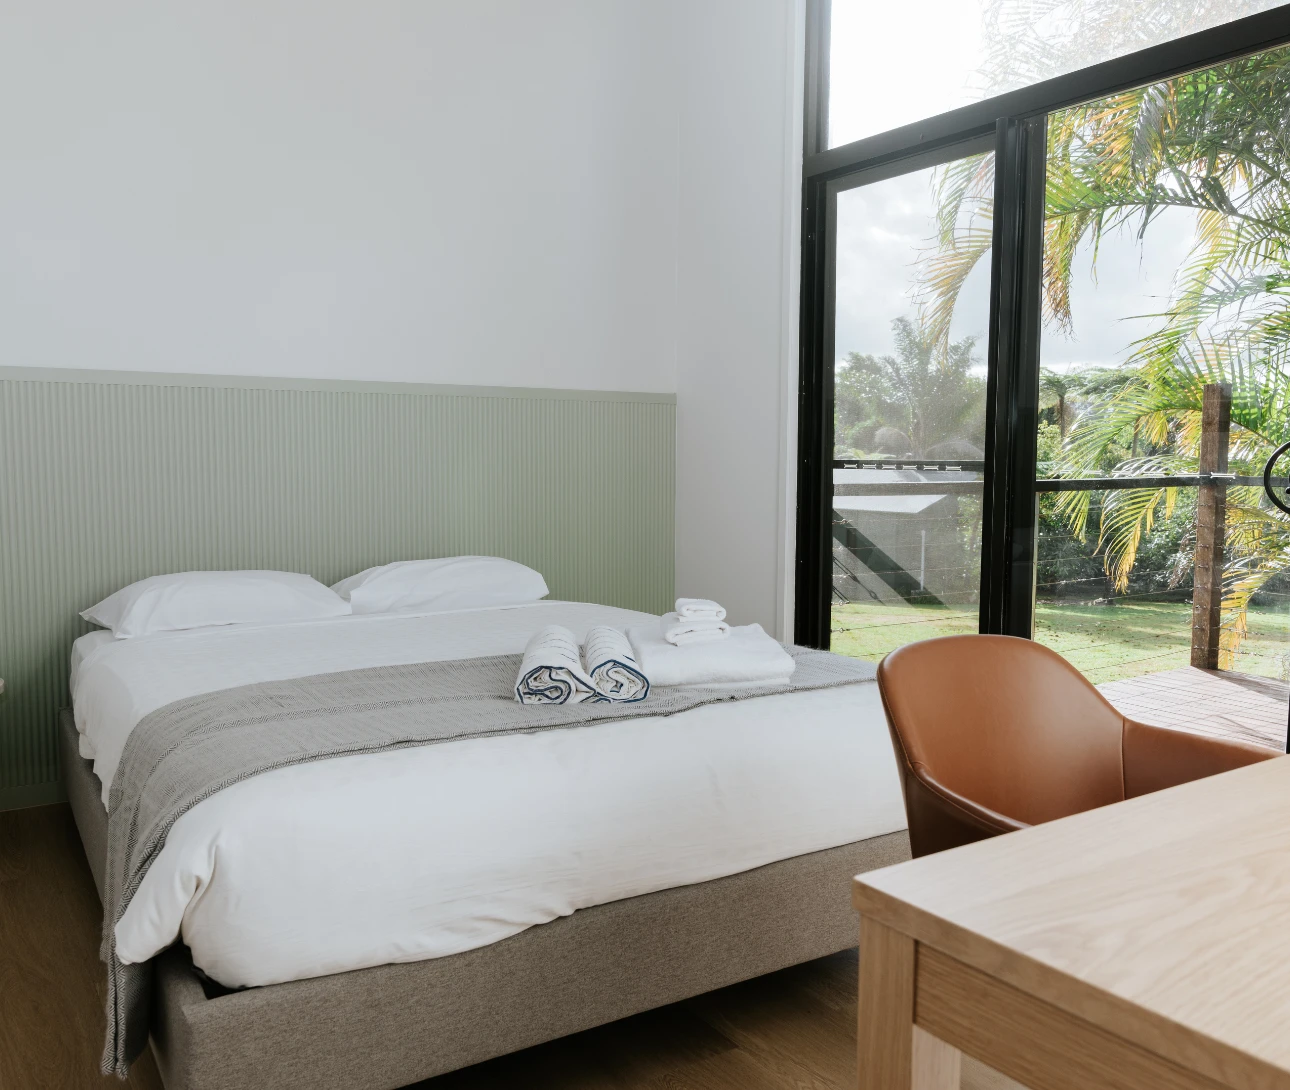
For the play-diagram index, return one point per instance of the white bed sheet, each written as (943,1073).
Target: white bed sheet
(81,649)
(424,852)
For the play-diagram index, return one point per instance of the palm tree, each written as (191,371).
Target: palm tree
(1055,390)
(1217,144)
(916,403)
(1031,40)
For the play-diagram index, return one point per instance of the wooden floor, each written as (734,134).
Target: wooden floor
(793,1029)
(52,987)
(1231,705)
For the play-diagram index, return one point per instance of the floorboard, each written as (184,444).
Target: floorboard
(792,1030)
(52,987)
(1218,702)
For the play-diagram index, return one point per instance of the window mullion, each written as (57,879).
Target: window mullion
(1016,286)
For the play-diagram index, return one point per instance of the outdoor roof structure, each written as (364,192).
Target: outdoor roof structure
(891,505)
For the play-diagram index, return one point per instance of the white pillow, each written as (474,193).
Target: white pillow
(195,599)
(433,586)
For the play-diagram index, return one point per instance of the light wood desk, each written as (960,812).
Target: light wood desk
(1141,946)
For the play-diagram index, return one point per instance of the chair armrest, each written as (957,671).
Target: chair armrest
(1159,757)
(939,818)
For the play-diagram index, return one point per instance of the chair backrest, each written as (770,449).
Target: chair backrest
(1004,723)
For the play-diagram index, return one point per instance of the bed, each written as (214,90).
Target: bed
(369,921)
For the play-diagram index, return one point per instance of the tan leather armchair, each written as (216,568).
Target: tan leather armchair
(995,733)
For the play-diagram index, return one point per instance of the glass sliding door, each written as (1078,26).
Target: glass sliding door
(911,313)
(1164,387)
(1044,351)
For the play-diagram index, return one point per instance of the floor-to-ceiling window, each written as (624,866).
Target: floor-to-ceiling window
(909,401)
(1044,246)
(1166,242)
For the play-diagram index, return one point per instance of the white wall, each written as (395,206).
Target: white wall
(596,194)
(425,190)
(740,170)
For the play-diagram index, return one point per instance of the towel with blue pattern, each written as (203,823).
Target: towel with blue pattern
(551,671)
(612,666)
(555,669)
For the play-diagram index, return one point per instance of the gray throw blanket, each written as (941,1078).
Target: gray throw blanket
(187,751)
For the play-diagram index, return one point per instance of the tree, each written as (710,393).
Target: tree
(930,404)
(1031,40)
(1055,390)
(1214,143)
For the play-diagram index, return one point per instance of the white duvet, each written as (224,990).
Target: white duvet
(423,852)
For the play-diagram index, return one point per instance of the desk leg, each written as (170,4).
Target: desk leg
(935,1065)
(893,1053)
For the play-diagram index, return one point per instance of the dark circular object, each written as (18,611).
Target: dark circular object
(1267,478)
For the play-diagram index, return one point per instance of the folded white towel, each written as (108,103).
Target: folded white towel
(700,609)
(747,656)
(612,666)
(551,672)
(681,631)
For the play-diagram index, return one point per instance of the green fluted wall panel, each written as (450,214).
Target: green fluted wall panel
(106,482)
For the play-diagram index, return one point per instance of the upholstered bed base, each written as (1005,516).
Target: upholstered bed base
(388,1026)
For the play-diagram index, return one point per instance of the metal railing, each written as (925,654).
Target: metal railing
(1212,481)
(1044,484)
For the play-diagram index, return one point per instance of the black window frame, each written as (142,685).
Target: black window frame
(1014,124)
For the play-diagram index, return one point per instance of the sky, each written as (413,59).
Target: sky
(862,33)
(883,229)
(895,63)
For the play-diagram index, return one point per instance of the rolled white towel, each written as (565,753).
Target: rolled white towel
(683,631)
(551,671)
(747,656)
(612,666)
(701,609)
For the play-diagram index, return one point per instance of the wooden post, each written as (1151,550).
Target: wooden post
(1211,526)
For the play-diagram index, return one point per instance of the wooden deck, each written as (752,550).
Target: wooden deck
(1252,709)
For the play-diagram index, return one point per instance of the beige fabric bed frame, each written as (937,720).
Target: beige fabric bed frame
(392,1025)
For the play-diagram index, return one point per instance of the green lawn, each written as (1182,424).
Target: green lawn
(1106,643)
